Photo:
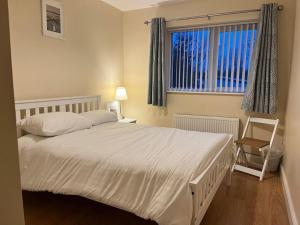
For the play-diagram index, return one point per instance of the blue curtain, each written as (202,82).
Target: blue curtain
(261,93)
(157,75)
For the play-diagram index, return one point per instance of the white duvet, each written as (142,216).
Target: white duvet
(141,169)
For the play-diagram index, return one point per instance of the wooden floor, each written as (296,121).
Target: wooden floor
(246,202)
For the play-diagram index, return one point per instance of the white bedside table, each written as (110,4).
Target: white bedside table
(128,120)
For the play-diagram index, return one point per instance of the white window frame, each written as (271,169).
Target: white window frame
(213,68)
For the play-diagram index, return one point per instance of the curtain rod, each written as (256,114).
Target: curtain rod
(208,16)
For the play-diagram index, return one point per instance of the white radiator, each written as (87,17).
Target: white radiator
(207,124)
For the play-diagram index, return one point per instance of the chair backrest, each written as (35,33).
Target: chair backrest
(272,122)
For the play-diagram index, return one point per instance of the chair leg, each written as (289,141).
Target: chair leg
(265,165)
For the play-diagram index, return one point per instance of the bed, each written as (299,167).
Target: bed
(163,174)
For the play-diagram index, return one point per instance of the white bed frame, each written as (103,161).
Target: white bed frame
(68,104)
(203,188)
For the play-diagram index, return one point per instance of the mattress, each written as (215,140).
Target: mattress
(141,169)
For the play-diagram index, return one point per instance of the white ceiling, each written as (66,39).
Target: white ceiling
(126,5)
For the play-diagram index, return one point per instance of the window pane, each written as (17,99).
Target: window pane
(189,59)
(212,59)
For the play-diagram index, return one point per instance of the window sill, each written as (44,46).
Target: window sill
(206,93)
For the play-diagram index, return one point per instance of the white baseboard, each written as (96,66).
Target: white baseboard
(288,198)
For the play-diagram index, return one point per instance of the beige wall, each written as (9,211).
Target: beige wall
(88,61)
(99,38)
(11,210)
(292,132)
(136,51)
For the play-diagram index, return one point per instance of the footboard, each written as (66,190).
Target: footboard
(206,185)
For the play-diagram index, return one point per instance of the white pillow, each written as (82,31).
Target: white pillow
(100,116)
(53,124)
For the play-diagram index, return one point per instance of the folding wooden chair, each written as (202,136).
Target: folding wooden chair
(261,145)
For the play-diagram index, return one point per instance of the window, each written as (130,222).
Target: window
(212,59)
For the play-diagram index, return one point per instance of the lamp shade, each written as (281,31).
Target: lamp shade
(121,94)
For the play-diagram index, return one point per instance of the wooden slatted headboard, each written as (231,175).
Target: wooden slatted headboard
(68,104)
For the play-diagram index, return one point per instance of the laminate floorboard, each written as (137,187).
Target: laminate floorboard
(246,202)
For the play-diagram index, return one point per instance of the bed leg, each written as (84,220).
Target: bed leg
(228,177)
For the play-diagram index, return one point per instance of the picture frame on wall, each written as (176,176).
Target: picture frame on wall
(53,18)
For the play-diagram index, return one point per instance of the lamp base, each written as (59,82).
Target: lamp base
(120,112)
